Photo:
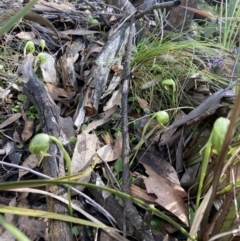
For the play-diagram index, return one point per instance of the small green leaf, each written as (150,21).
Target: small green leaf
(22,97)
(118,165)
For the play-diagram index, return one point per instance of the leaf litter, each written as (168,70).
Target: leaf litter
(97,69)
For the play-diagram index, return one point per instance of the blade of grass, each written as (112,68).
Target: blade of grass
(13,230)
(36,183)
(44,214)
(10,23)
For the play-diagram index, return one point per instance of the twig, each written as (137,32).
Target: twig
(129,210)
(125,134)
(157,6)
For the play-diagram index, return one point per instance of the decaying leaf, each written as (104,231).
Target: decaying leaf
(59,94)
(26,35)
(5,235)
(33,227)
(114,100)
(169,195)
(10,120)
(48,70)
(83,156)
(141,193)
(30,162)
(143,103)
(117,68)
(115,81)
(160,166)
(111,152)
(27,130)
(94,124)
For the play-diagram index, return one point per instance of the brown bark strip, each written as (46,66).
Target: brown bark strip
(51,124)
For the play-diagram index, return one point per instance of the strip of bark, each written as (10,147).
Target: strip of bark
(53,165)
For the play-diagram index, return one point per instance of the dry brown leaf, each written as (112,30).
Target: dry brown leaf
(114,100)
(32,227)
(109,152)
(142,194)
(48,70)
(142,103)
(17,138)
(26,35)
(30,162)
(169,195)
(94,124)
(159,165)
(59,94)
(83,155)
(27,130)
(115,81)
(117,68)
(10,120)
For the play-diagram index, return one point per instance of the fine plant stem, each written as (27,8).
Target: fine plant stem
(203,172)
(141,142)
(68,162)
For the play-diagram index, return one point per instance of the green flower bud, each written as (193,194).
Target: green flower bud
(219,132)
(42,44)
(30,47)
(1,68)
(41,58)
(39,144)
(169,82)
(162,117)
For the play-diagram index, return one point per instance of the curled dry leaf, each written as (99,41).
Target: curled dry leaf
(169,195)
